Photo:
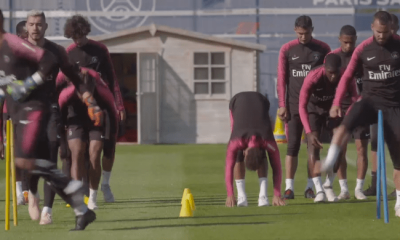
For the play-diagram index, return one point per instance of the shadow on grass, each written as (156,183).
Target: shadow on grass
(188,225)
(198,217)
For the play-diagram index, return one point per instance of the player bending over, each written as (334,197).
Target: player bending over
(316,98)
(296,59)
(251,136)
(379,58)
(347,39)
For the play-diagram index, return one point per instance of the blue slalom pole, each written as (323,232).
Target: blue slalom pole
(378,171)
(381,159)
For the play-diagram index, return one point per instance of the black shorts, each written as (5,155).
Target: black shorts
(365,112)
(30,133)
(361,132)
(374,137)
(83,128)
(319,119)
(294,132)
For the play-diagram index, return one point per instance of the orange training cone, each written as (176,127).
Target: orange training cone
(185,193)
(191,201)
(185,209)
(279,131)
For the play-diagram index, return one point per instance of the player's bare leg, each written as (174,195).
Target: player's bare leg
(95,148)
(291,163)
(262,173)
(362,166)
(239,173)
(107,164)
(77,147)
(371,190)
(396,178)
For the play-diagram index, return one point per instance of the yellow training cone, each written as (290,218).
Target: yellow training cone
(185,193)
(279,131)
(191,201)
(185,209)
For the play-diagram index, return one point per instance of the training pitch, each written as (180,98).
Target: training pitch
(148,183)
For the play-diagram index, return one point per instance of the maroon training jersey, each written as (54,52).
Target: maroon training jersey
(381,72)
(295,61)
(95,55)
(317,94)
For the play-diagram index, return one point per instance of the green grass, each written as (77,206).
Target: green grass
(148,182)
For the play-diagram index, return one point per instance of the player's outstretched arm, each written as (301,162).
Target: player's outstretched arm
(275,162)
(229,165)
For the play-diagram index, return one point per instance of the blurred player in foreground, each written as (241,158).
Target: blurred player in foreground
(316,98)
(251,136)
(30,112)
(296,59)
(379,58)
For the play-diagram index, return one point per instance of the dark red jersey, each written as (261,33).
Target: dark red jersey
(381,72)
(95,55)
(317,94)
(295,61)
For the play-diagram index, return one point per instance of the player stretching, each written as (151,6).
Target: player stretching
(296,59)
(94,55)
(251,136)
(347,39)
(30,111)
(316,98)
(379,58)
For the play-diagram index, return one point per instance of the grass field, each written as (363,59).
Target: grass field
(148,182)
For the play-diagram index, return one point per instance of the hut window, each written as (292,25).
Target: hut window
(209,73)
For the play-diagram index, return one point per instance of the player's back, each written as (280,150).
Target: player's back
(250,113)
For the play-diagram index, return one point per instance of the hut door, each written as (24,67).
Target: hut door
(148,98)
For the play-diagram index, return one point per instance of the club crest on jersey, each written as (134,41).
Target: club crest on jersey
(6,58)
(94,60)
(316,56)
(395,55)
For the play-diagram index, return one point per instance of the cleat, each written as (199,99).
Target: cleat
(289,194)
(46,219)
(393,194)
(263,201)
(359,195)
(330,194)
(320,197)
(108,195)
(26,194)
(242,202)
(371,191)
(81,222)
(309,193)
(344,196)
(34,210)
(20,200)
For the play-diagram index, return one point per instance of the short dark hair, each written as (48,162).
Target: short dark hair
(395,19)
(333,60)
(20,27)
(76,26)
(348,30)
(384,17)
(303,22)
(254,158)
